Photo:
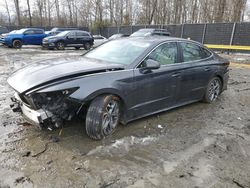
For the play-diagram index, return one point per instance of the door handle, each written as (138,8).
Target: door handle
(176,74)
(207,69)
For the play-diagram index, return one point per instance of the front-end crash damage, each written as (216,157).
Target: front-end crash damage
(46,109)
(52,91)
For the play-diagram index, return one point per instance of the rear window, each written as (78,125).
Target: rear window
(38,31)
(193,52)
(82,34)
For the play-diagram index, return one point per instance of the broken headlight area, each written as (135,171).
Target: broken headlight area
(56,106)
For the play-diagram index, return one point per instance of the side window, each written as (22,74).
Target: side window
(165,34)
(29,32)
(82,34)
(165,54)
(38,31)
(193,52)
(71,35)
(98,38)
(205,53)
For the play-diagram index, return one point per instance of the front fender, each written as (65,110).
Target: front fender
(119,83)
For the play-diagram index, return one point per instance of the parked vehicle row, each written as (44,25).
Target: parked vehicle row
(56,38)
(59,38)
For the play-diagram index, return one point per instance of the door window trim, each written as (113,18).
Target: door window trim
(137,66)
(197,44)
(179,53)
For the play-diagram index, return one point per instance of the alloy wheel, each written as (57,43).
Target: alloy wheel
(214,90)
(110,117)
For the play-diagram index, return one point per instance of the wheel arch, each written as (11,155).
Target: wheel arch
(221,79)
(16,39)
(86,102)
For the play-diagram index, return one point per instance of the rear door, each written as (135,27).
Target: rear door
(38,36)
(156,89)
(82,38)
(197,70)
(29,37)
(71,39)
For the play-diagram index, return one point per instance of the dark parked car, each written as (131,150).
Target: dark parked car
(119,81)
(150,32)
(75,38)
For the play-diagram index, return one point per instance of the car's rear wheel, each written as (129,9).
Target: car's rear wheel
(213,90)
(60,45)
(17,44)
(103,116)
(87,46)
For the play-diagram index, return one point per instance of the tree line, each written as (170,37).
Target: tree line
(100,13)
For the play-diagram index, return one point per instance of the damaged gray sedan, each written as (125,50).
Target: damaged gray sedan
(118,82)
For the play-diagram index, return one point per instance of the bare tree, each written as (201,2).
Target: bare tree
(94,13)
(17,7)
(30,17)
(40,6)
(8,12)
(57,11)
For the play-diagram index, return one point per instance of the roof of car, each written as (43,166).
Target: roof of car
(33,28)
(153,29)
(153,39)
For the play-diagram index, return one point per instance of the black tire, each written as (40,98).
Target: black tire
(60,45)
(77,48)
(103,116)
(87,46)
(213,90)
(17,44)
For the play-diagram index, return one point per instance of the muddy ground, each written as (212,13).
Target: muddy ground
(198,145)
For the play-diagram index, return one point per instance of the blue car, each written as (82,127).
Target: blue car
(27,36)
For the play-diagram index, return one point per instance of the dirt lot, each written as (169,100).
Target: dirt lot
(198,145)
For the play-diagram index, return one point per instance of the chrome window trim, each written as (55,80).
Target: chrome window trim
(202,47)
(179,41)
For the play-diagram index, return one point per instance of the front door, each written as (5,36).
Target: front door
(29,37)
(157,88)
(71,39)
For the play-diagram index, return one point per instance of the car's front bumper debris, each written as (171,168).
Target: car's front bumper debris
(37,117)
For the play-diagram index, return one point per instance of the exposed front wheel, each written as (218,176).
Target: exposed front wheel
(213,90)
(17,44)
(87,46)
(60,45)
(103,116)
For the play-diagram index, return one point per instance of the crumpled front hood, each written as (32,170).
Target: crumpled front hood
(40,73)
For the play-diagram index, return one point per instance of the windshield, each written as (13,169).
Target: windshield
(119,51)
(140,34)
(62,33)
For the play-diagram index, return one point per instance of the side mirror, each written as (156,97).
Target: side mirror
(151,64)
